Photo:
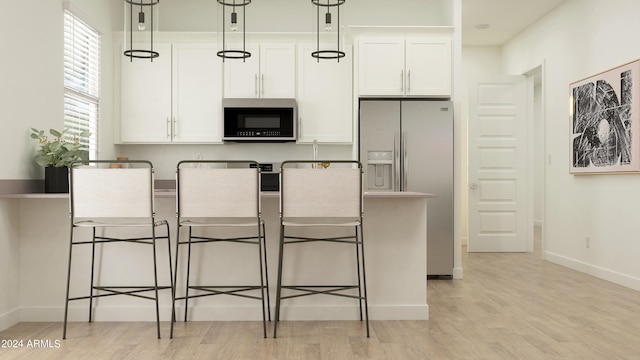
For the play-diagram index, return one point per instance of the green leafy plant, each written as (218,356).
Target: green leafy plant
(59,152)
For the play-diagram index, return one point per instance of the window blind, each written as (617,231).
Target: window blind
(81,80)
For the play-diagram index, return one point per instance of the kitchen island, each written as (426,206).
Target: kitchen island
(395,247)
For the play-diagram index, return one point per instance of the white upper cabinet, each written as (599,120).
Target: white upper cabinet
(146,98)
(270,72)
(381,66)
(197,93)
(324,98)
(405,66)
(428,66)
(175,98)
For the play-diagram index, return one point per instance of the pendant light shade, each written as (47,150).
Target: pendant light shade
(231,7)
(139,27)
(329,21)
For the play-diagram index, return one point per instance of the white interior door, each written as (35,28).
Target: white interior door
(498,205)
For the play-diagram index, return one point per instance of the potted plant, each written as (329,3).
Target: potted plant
(56,155)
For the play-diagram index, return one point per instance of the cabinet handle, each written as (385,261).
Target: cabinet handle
(405,159)
(255,84)
(262,85)
(396,161)
(401,80)
(168,128)
(175,127)
(408,81)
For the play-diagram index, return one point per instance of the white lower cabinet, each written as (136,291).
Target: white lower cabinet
(173,99)
(324,98)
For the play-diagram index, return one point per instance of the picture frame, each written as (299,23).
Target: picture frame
(605,121)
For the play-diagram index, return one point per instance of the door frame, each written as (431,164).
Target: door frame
(534,76)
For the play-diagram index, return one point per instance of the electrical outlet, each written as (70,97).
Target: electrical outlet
(588,242)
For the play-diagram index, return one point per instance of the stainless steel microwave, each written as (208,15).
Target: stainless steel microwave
(259,119)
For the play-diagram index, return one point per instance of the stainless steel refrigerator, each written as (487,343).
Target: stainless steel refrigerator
(407,145)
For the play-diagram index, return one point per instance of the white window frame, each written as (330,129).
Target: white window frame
(81,80)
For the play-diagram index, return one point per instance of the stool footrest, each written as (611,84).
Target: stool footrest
(308,290)
(232,290)
(118,290)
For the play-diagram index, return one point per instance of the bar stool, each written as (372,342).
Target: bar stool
(115,194)
(215,195)
(321,194)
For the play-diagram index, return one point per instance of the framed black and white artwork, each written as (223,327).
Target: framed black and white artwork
(605,122)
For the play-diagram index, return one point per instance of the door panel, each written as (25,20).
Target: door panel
(427,128)
(499,216)
(380,135)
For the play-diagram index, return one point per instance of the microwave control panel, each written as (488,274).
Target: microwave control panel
(265,133)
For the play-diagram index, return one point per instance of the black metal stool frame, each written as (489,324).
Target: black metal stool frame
(357,239)
(135,291)
(232,290)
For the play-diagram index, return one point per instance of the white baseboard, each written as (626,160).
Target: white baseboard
(224,313)
(599,272)
(457,273)
(9,319)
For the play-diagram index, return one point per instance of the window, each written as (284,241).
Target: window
(81,80)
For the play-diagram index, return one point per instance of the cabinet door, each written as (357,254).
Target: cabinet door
(197,90)
(277,71)
(146,98)
(381,66)
(428,66)
(324,98)
(241,76)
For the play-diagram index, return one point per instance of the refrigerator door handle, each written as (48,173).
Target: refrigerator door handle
(396,167)
(405,161)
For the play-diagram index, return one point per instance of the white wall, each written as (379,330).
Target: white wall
(31,85)
(579,39)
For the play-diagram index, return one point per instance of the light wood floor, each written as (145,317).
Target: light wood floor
(509,306)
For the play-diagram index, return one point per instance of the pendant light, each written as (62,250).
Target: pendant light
(233,5)
(141,24)
(327,19)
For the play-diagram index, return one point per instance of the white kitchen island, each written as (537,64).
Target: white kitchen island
(395,234)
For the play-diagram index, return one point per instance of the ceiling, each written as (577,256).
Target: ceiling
(506,18)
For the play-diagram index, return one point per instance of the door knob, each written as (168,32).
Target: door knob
(473,186)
